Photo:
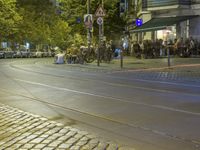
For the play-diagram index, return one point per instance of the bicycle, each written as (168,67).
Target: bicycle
(87,55)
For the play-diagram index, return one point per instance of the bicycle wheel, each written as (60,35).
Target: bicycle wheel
(90,57)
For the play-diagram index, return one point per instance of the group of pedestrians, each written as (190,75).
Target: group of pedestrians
(158,48)
(142,49)
(82,54)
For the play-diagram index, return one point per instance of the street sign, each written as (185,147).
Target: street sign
(88,21)
(100,12)
(99,20)
(138,22)
(78,20)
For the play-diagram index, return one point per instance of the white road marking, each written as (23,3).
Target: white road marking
(109,97)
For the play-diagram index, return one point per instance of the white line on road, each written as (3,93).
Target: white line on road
(109,97)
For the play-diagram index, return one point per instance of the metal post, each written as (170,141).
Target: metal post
(98,55)
(121,58)
(102,2)
(168,56)
(88,34)
(101,34)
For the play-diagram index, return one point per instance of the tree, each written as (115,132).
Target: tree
(40,22)
(41,25)
(60,34)
(72,9)
(113,23)
(9,19)
(36,19)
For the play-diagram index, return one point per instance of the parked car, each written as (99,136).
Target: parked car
(2,53)
(39,54)
(32,53)
(8,53)
(53,53)
(25,53)
(45,53)
(17,54)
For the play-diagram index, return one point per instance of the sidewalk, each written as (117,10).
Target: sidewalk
(155,69)
(134,64)
(25,131)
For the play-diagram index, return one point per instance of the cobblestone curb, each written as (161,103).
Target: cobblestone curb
(25,131)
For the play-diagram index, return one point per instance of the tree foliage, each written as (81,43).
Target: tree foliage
(60,35)
(41,22)
(72,11)
(9,18)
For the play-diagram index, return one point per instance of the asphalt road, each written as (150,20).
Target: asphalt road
(126,107)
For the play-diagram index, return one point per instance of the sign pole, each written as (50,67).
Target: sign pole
(98,55)
(88,36)
(102,23)
(99,22)
(100,13)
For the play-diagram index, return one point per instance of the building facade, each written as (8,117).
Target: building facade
(184,13)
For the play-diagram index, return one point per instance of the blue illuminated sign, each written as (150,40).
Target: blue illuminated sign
(138,22)
(78,20)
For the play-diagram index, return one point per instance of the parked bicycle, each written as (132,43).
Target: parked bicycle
(87,55)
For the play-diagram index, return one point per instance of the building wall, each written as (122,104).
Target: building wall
(179,8)
(195,23)
(195,28)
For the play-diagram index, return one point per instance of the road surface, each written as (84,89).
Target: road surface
(146,110)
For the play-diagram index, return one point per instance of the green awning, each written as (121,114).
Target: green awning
(160,23)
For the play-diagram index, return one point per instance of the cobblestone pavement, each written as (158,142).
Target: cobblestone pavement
(190,73)
(21,130)
(164,75)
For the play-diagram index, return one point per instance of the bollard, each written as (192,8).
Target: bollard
(121,58)
(168,56)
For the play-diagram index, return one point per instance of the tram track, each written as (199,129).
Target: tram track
(108,97)
(160,133)
(192,141)
(120,84)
